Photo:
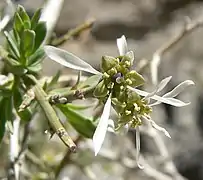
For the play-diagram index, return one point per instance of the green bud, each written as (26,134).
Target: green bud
(136,78)
(100,90)
(108,62)
(112,71)
(128,82)
(127,112)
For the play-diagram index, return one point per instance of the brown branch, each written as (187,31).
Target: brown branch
(74,32)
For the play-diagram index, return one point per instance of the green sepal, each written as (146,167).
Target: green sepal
(136,78)
(35,19)
(101,90)
(81,124)
(108,62)
(40,31)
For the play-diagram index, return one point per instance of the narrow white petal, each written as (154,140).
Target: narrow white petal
(100,132)
(171,101)
(130,54)
(68,59)
(3,79)
(122,45)
(138,147)
(160,87)
(179,88)
(159,128)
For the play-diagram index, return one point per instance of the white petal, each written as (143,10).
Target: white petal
(122,45)
(157,127)
(138,147)
(111,126)
(130,54)
(179,88)
(100,132)
(160,87)
(171,101)
(68,59)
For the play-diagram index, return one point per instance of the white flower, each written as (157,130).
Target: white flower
(71,61)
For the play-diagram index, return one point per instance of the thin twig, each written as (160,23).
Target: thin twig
(66,158)
(74,32)
(157,56)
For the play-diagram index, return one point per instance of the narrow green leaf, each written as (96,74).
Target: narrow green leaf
(91,81)
(37,56)
(81,124)
(18,23)
(12,45)
(35,18)
(24,16)
(35,67)
(54,80)
(28,41)
(40,31)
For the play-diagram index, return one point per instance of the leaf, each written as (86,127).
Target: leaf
(54,79)
(77,107)
(40,32)
(35,18)
(24,16)
(81,124)
(108,62)
(68,59)
(101,129)
(37,56)
(18,23)
(6,114)
(28,41)
(92,81)
(12,45)
(35,67)
(122,45)
(178,89)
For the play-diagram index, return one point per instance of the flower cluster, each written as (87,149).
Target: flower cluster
(118,88)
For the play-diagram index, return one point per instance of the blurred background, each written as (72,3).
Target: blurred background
(148,26)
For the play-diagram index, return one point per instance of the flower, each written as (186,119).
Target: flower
(117,88)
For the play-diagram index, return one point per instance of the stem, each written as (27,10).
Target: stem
(54,121)
(73,32)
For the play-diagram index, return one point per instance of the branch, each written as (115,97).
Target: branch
(74,32)
(188,28)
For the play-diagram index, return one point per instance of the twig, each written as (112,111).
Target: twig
(157,56)
(74,32)
(66,158)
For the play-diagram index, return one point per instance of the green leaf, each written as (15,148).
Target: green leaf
(18,23)
(12,45)
(40,31)
(5,115)
(24,16)
(77,107)
(35,67)
(81,124)
(54,80)
(28,41)
(35,18)
(37,56)
(91,81)
(27,25)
